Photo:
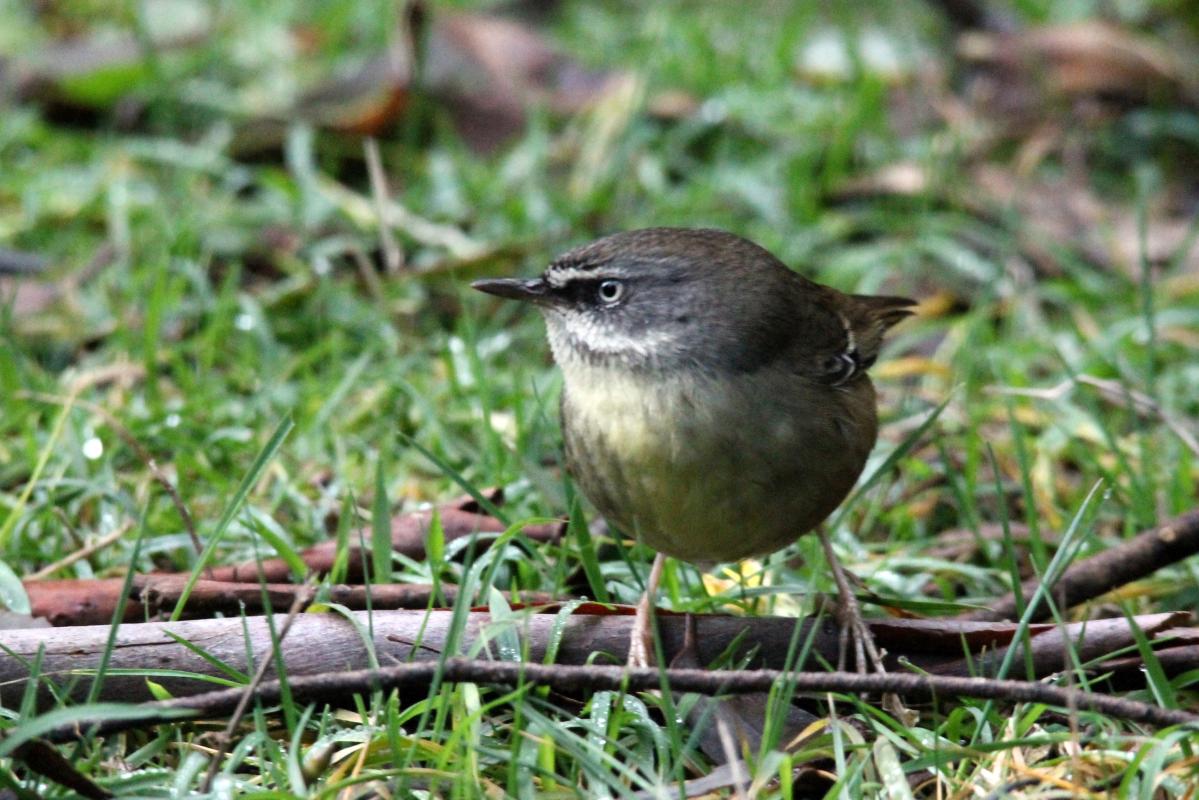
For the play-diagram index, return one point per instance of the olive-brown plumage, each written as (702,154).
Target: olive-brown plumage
(719,406)
(715,403)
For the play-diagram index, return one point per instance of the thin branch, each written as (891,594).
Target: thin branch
(87,601)
(318,643)
(338,687)
(322,642)
(1116,566)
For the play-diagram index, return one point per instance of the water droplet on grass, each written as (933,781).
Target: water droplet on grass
(93,448)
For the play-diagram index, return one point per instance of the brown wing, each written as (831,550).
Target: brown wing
(865,320)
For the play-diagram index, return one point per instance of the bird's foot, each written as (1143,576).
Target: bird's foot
(867,655)
(855,633)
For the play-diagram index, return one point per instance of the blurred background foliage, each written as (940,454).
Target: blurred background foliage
(236,212)
(214,215)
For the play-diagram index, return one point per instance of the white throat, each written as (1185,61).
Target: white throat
(584,337)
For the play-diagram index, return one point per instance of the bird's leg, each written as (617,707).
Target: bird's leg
(641,641)
(852,625)
(849,615)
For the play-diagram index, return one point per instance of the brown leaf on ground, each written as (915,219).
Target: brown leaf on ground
(1059,211)
(20,290)
(486,71)
(1021,71)
(366,101)
(27,297)
(1047,89)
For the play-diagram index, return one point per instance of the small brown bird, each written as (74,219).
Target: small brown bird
(716,403)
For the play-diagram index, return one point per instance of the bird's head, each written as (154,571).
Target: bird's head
(662,298)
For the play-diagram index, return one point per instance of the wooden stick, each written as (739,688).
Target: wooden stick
(339,687)
(329,641)
(93,601)
(1128,561)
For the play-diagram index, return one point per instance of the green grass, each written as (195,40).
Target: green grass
(234,300)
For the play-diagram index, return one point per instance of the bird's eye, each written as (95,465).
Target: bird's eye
(610,291)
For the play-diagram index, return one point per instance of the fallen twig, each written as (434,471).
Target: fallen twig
(393,257)
(1090,640)
(348,641)
(331,641)
(335,687)
(66,603)
(960,544)
(1141,555)
(1128,671)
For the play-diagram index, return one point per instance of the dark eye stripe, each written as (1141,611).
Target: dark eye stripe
(586,291)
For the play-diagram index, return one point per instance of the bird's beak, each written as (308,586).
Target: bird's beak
(533,290)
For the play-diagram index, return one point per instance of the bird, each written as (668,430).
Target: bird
(716,404)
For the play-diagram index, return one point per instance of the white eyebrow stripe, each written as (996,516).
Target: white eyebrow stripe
(560,276)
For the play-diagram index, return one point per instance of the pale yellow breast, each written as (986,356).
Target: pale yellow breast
(623,407)
(702,469)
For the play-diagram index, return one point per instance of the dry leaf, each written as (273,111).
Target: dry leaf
(1088,58)
(487,72)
